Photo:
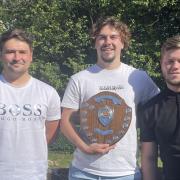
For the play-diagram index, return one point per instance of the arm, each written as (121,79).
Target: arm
(51,130)
(149,160)
(70,133)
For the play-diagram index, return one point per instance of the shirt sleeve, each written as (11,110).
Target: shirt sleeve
(71,98)
(54,106)
(150,89)
(147,125)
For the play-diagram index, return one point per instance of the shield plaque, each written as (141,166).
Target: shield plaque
(104,118)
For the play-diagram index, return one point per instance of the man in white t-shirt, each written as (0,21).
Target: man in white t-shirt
(102,161)
(29,112)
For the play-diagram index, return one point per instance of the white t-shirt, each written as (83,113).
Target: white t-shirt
(134,86)
(23,112)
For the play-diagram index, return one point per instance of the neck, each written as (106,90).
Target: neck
(16,80)
(174,88)
(109,66)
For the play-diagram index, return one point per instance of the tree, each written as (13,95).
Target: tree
(62,45)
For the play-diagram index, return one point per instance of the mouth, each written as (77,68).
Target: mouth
(174,73)
(107,49)
(16,63)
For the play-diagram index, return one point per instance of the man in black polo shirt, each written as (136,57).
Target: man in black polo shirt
(160,119)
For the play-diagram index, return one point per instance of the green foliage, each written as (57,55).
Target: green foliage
(50,73)
(59,160)
(60,28)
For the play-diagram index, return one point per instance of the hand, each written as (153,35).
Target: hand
(96,148)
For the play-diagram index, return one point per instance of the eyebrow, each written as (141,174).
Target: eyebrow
(15,49)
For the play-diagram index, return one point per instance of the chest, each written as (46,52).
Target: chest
(167,120)
(119,86)
(22,108)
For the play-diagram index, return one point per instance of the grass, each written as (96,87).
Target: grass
(62,160)
(60,154)
(59,159)
(59,163)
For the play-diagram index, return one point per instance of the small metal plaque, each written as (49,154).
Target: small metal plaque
(104,118)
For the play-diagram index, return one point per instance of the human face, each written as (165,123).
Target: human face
(108,45)
(16,57)
(170,66)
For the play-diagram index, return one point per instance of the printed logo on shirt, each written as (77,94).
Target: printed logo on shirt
(26,112)
(109,88)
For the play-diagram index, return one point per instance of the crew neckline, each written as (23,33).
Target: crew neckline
(15,86)
(110,70)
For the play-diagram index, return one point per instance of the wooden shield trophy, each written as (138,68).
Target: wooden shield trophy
(104,118)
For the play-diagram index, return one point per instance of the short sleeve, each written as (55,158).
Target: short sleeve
(147,125)
(54,106)
(150,88)
(71,98)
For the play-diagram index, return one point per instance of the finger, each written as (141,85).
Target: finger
(103,146)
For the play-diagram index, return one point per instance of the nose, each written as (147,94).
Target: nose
(17,56)
(107,40)
(176,65)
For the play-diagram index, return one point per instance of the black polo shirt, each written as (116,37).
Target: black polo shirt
(159,121)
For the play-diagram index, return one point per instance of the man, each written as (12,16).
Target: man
(29,112)
(160,119)
(102,161)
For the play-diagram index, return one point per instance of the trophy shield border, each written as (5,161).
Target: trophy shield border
(104,118)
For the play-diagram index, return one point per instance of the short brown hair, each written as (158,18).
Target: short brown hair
(114,22)
(15,33)
(170,43)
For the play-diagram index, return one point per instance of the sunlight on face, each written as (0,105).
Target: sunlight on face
(170,65)
(16,56)
(108,45)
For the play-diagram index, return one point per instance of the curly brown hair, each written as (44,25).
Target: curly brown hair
(114,22)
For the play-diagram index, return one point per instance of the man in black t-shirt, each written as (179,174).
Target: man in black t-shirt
(160,119)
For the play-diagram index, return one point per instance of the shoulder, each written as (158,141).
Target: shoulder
(42,85)
(153,102)
(138,78)
(127,66)
(133,71)
(1,79)
(84,73)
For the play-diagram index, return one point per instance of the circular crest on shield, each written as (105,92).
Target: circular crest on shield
(104,118)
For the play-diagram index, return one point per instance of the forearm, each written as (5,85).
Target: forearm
(51,130)
(149,161)
(149,170)
(69,132)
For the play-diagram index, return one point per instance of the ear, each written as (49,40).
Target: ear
(95,44)
(31,58)
(0,56)
(122,44)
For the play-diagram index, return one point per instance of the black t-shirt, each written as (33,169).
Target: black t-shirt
(159,121)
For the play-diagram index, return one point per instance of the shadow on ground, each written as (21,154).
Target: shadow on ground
(62,174)
(58,174)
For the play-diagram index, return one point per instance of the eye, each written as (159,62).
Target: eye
(9,51)
(114,37)
(23,52)
(101,37)
(169,62)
